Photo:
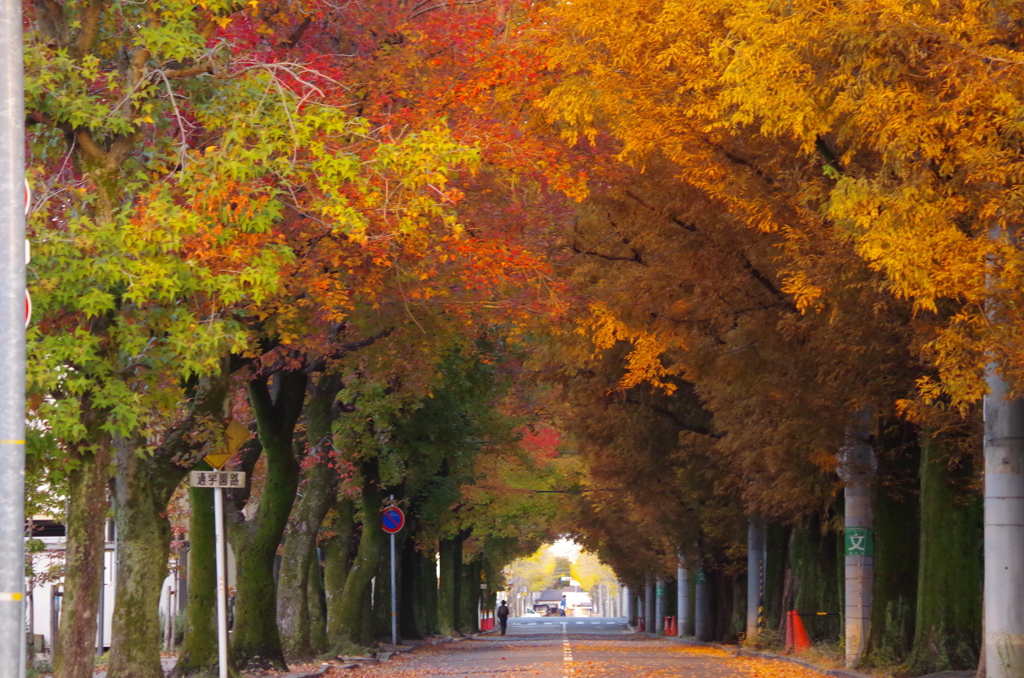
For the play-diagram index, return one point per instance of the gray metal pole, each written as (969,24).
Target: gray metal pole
(222,582)
(755,569)
(649,604)
(394,597)
(12,345)
(682,597)
(659,606)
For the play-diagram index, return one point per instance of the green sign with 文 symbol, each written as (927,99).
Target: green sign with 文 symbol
(860,541)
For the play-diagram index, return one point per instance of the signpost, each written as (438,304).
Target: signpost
(393,520)
(235,435)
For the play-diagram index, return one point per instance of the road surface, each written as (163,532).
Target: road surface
(570,647)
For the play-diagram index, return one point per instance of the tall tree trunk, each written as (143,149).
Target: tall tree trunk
(318,488)
(337,548)
(469,597)
(142,487)
(354,606)
(317,606)
(74,655)
(199,645)
(143,549)
(1004,530)
(948,628)
(418,581)
(897,535)
(255,641)
(448,586)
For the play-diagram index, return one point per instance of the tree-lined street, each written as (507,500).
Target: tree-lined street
(728,293)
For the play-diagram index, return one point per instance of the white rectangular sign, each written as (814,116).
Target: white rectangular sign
(225,479)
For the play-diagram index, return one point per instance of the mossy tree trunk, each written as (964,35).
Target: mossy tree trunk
(337,547)
(317,606)
(255,641)
(353,622)
(896,548)
(948,631)
(142,487)
(86,519)
(199,646)
(469,597)
(382,587)
(449,586)
(318,488)
(428,591)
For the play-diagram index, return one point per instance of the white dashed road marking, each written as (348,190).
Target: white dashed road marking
(567,652)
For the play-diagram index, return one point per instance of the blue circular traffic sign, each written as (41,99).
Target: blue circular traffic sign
(392,519)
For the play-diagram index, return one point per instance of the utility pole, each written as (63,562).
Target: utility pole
(756,554)
(12,344)
(857,465)
(1004,530)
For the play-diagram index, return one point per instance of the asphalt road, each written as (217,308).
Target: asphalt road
(519,626)
(563,648)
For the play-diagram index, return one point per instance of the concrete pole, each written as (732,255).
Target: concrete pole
(682,597)
(1003,632)
(702,608)
(756,555)
(659,606)
(649,622)
(12,344)
(857,469)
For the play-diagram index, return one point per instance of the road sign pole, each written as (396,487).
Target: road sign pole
(222,582)
(394,597)
(12,344)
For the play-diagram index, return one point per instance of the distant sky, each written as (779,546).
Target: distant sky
(566,548)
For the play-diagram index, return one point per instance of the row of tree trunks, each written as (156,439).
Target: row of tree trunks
(349,625)
(319,487)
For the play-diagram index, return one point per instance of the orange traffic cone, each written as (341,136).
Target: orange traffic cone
(800,640)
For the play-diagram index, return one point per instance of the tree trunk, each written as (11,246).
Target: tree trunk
(469,598)
(199,646)
(948,628)
(353,608)
(337,550)
(255,641)
(448,586)
(143,549)
(74,655)
(319,486)
(897,536)
(1004,530)
(317,606)
(141,488)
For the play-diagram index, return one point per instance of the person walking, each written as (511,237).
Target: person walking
(561,607)
(503,616)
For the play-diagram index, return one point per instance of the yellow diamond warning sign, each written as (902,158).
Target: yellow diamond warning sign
(235,435)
